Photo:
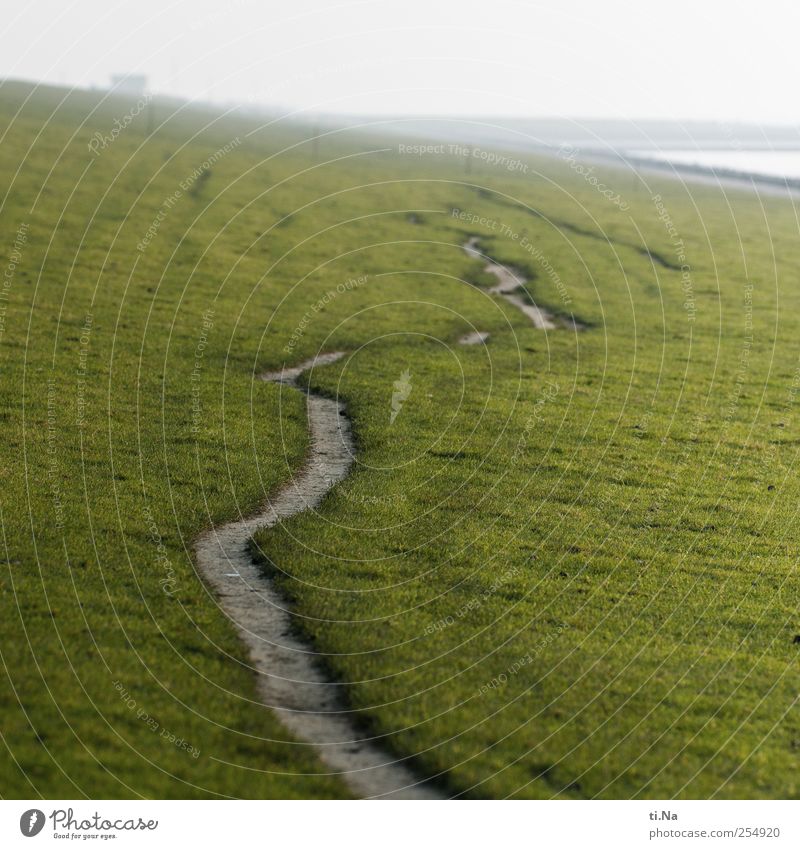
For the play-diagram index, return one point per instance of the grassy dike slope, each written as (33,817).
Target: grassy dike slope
(568,567)
(565,568)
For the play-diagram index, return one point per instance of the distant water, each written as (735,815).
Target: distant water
(774,164)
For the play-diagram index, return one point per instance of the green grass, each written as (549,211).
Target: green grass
(567,568)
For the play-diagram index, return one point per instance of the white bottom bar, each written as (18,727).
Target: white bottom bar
(400,825)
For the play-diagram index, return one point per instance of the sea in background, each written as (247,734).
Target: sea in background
(715,151)
(773,164)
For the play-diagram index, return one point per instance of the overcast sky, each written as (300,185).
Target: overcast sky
(682,59)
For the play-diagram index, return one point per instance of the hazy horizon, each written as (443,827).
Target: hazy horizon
(515,60)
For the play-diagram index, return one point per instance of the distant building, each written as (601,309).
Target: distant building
(129,83)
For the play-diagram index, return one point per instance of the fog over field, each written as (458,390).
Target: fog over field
(584,60)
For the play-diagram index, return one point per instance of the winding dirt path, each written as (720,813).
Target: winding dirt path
(290,680)
(507,285)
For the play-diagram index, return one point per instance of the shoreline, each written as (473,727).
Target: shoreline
(512,154)
(720,178)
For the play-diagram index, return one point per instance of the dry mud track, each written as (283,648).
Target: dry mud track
(291,681)
(507,286)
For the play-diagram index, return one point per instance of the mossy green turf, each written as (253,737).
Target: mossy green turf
(566,568)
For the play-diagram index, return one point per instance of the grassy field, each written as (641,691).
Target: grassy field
(566,568)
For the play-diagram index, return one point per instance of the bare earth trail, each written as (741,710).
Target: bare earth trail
(507,286)
(290,680)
